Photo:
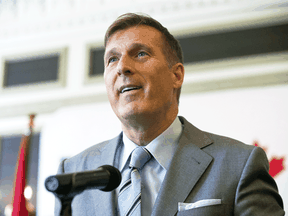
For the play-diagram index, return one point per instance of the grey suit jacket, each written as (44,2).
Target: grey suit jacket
(205,166)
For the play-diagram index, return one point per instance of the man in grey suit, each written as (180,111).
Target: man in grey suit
(191,172)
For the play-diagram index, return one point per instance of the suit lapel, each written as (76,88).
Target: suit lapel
(187,166)
(105,201)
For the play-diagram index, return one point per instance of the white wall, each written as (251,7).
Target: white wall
(256,114)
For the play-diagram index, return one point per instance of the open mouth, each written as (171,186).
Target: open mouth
(126,89)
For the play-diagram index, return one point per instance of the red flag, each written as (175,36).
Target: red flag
(19,202)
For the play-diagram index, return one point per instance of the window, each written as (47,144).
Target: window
(96,62)
(31,70)
(260,40)
(34,70)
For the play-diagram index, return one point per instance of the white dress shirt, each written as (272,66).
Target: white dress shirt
(162,148)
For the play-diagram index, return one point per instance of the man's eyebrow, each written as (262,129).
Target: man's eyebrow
(132,48)
(139,46)
(111,52)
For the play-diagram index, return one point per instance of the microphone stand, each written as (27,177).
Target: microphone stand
(66,202)
(66,209)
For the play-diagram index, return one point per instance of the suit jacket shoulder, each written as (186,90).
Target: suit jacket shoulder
(93,201)
(93,157)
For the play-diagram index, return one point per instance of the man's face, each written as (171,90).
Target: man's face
(137,77)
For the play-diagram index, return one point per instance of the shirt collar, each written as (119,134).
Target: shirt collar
(162,147)
(128,147)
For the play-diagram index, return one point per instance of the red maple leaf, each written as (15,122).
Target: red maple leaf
(276,163)
(276,166)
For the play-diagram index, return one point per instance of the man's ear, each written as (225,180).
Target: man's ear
(178,75)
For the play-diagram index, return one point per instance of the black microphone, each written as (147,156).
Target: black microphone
(105,178)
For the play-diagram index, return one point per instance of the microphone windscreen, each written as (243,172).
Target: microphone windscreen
(115,178)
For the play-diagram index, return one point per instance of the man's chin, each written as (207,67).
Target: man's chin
(134,115)
(131,114)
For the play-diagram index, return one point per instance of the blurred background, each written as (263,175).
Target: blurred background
(51,65)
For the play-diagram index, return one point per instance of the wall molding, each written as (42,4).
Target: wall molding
(18,19)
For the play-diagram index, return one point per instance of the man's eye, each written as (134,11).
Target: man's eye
(112,59)
(141,54)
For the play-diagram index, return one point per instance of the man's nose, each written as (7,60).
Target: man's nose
(125,66)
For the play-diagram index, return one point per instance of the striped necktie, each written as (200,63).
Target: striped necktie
(129,198)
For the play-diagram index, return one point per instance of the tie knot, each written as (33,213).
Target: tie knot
(139,157)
